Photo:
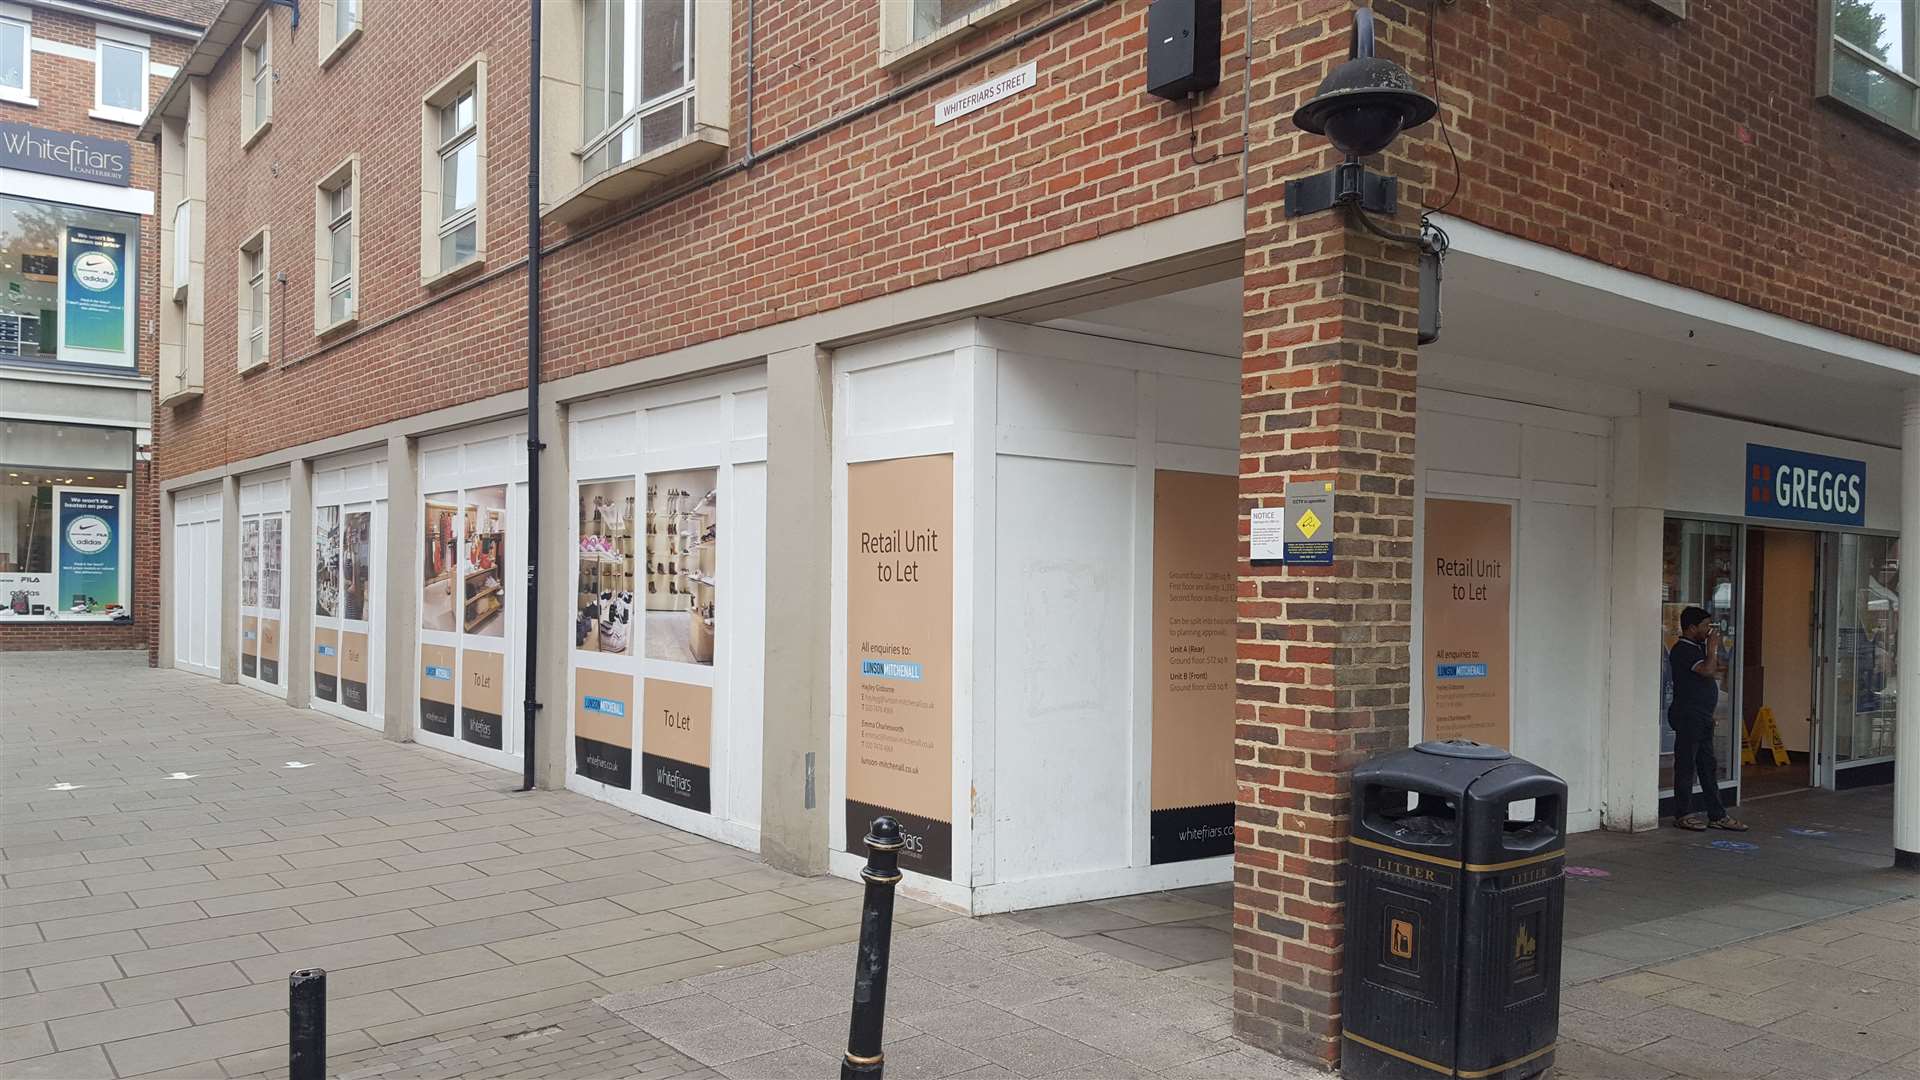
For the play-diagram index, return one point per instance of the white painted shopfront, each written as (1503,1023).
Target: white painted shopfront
(349,586)
(668,558)
(196,580)
(471,601)
(263,582)
(1006,636)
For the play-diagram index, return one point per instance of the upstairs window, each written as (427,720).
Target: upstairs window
(637,87)
(910,27)
(255,302)
(340,253)
(1870,60)
(459,168)
(182,249)
(336,247)
(256,87)
(16,56)
(339,28)
(453,173)
(120,81)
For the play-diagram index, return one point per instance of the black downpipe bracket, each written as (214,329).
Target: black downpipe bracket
(534,446)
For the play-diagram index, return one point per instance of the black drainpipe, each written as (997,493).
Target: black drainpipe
(534,446)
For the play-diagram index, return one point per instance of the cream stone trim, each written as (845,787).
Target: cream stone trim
(898,46)
(332,47)
(183,180)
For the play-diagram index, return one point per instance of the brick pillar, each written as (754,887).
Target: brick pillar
(1327,393)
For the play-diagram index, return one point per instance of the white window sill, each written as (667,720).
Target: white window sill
(257,365)
(18,97)
(327,329)
(439,278)
(628,179)
(182,394)
(339,47)
(257,134)
(986,16)
(119,116)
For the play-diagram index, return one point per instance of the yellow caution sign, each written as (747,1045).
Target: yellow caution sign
(1309,523)
(1764,732)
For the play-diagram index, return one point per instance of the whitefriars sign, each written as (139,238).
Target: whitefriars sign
(57,153)
(1792,485)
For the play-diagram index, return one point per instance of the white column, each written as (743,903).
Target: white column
(1906,761)
(1630,790)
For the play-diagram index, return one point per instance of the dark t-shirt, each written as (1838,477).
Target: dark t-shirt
(1694,694)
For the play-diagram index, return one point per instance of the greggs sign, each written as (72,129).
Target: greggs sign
(1793,485)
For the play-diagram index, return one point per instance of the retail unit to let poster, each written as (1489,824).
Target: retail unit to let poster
(250,647)
(1195,582)
(900,655)
(270,651)
(1466,645)
(603,726)
(676,744)
(326,663)
(436,689)
(353,670)
(484,683)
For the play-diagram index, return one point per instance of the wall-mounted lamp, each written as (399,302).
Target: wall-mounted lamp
(1361,108)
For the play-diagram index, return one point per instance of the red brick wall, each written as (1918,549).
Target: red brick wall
(882,204)
(1693,152)
(64,88)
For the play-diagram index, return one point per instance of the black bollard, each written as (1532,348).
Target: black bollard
(882,873)
(307,1024)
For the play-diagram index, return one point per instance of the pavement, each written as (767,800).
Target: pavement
(170,848)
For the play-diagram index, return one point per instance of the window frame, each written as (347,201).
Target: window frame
(256,74)
(1825,89)
(181,264)
(333,42)
(435,223)
(103,41)
(254,320)
(631,118)
(23,19)
(327,286)
(898,46)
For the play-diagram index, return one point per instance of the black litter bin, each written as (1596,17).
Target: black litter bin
(1453,915)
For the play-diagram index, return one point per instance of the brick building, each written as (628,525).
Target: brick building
(910,377)
(76,366)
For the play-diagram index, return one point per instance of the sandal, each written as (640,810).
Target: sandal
(1694,822)
(1729,824)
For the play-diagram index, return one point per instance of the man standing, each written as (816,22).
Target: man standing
(1694,664)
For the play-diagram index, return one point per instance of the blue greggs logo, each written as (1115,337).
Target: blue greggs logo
(1792,485)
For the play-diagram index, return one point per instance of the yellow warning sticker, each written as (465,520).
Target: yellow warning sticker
(1308,523)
